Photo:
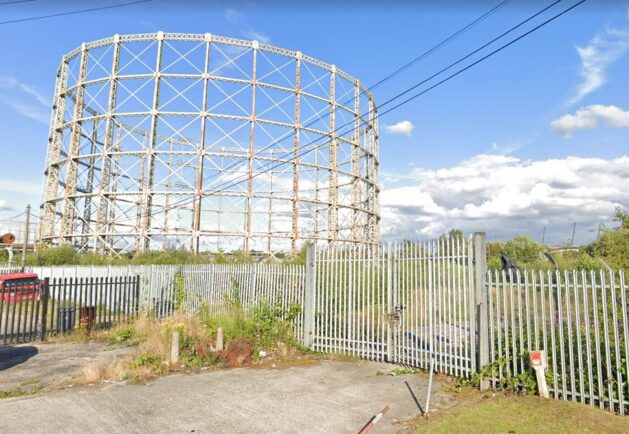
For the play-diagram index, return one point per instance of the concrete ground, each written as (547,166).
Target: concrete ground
(324,397)
(39,366)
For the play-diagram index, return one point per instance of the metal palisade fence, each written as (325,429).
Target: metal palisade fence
(410,303)
(430,304)
(222,287)
(32,311)
(580,319)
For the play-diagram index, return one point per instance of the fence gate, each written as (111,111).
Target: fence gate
(411,303)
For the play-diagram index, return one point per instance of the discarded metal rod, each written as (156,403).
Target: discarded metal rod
(374,420)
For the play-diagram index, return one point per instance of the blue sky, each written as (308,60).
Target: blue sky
(536,136)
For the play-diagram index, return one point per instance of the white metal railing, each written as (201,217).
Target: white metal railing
(578,317)
(410,303)
(223,286)
(422,304)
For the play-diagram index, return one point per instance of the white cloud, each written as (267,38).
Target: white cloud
(602,51)
(504,196)
(589,117)
(20,187)
(402,127)
(235,17)
(25,99)
(4,206)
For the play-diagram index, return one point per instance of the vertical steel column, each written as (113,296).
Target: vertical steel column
(316,194)
(201,150)
(67,218)
(140,196)
(482,306)
(49,206)
(372,176)
(168,192)
(111,221)
(310,296)
(295,226)
(249,203)
(144,241)
(105,174)
(270,219)
(87,213)
(333,175)
(357,230)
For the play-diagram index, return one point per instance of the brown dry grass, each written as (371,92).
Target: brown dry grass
(152,357)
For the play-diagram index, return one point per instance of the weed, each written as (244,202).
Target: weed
(403,371)
(151,361)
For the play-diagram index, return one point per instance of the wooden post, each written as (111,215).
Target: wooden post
(220,339)
(174,348)
(482,307)
(309,301)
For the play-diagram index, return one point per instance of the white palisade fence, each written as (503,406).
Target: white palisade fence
(578,317)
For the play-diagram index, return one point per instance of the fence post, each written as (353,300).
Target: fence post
(137,296)
(309,300)
(44,313)
(482,307)
(389,306)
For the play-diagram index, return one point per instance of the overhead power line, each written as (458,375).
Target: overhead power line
(61,14)
(415,86)
(391,75)
(406,101)
(448,78)
(441,44)
(16,1)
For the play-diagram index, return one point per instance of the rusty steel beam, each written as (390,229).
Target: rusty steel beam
(296,150)
(67,217)
(146,180)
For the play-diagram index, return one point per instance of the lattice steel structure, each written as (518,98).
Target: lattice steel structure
(204,142)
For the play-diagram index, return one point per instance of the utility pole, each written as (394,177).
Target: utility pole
(543,234)
(26,223)
(574,227)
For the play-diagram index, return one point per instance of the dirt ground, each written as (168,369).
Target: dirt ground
(314,396)
(48,366)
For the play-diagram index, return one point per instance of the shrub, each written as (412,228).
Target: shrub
(151,361)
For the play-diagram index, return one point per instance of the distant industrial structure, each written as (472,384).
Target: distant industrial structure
(207,143)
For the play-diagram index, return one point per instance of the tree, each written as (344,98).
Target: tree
(523,249)
(613,246)
(622,217)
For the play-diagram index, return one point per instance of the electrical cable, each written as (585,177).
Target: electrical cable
(417,59)
(458,72)
(406,91)
(513,41)
(61,14)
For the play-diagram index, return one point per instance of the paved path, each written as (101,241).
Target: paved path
(42,365)
(328,397)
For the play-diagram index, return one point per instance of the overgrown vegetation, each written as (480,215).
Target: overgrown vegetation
(610,250)
(265,330)
(66,255)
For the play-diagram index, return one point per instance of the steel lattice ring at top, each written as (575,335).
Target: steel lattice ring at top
(203,142)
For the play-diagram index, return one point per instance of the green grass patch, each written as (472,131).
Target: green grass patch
(522,414)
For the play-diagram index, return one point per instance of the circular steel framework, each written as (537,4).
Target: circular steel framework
(204,142)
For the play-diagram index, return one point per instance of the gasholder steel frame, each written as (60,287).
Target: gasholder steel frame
(207,143)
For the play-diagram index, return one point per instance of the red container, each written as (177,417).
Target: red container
(20,286)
